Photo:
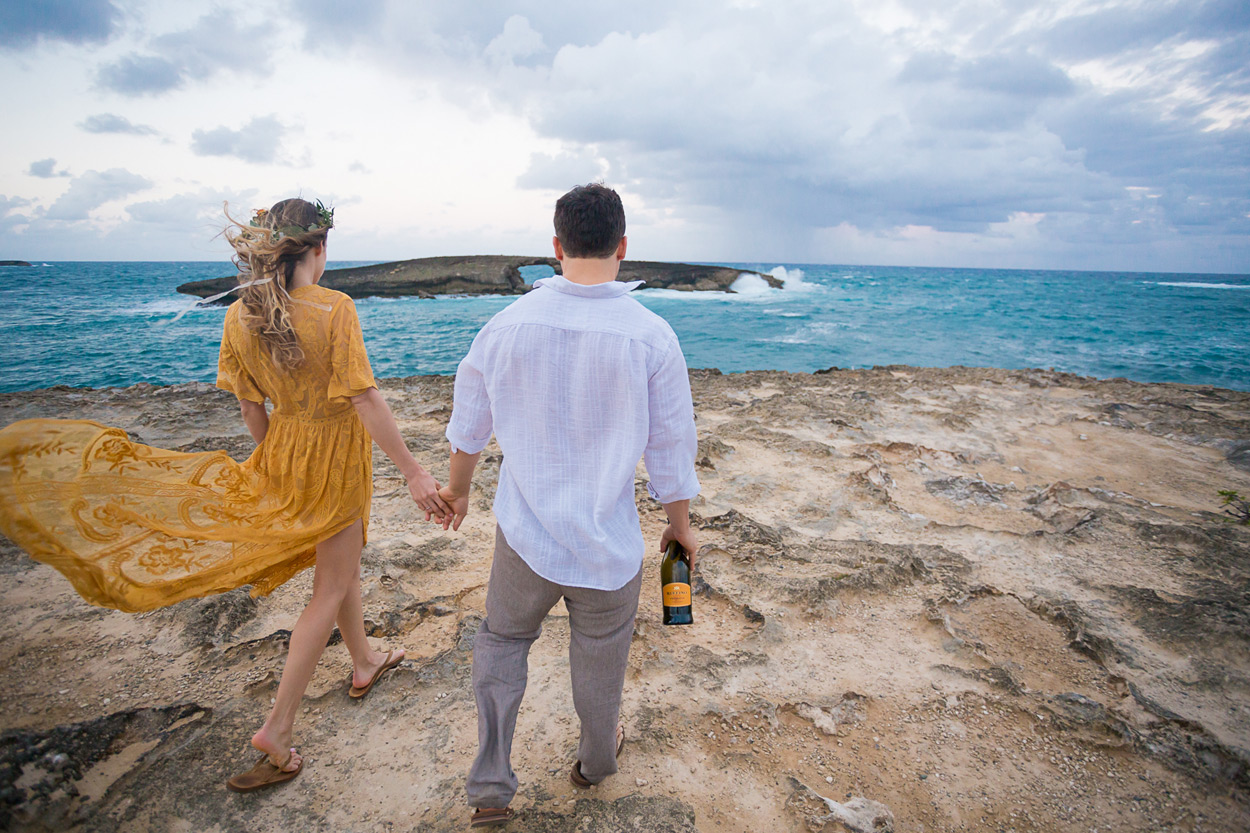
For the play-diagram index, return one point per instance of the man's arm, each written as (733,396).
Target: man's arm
(256,418)
(468,431)
(679,530)
(456,492)
(671,446)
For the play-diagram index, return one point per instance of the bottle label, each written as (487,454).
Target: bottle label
(677,595)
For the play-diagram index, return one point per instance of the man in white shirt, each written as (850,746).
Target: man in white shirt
(577,381)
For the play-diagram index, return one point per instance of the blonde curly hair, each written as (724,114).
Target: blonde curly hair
(270,246)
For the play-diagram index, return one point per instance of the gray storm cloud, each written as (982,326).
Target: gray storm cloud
(783,129)
(811,116)
(216,43)
(23,24)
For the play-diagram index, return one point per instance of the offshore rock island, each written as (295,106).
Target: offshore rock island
(427,277)
(956,599)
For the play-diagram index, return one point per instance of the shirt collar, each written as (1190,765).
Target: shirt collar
(611,289)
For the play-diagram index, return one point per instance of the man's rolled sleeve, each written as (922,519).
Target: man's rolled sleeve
(470,427)
(672,441)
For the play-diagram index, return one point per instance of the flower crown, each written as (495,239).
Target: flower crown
(325,220)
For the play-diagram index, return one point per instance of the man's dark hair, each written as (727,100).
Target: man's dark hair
(590,221)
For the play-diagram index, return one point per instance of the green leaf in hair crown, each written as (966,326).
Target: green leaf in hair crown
(325,220)
(325,217)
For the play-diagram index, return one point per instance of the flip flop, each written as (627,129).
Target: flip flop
(264,774)
(575,774)
(491,818)
(387,665)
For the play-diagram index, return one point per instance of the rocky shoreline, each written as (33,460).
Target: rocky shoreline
(488,275)
(954,599)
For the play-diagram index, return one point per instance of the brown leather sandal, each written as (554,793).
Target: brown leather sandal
(492,817)
(264,774)
(387,664)
(575,774)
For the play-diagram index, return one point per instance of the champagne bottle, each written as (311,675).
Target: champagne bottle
(675,577)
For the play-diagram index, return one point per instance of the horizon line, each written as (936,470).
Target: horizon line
(731,263)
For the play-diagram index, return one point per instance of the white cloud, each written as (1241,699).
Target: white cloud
(189,209)
(92,190)
(8,216)
(217,42)
(562,171)
(259,141)
(518,40)
(111,123)
(46,169)
(141,75)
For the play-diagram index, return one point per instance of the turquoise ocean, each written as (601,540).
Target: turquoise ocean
(104,324)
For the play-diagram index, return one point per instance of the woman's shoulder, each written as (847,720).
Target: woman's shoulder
(324,297)
(327,295)
(233,313)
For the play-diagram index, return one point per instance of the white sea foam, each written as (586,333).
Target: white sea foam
(748,284)
(752,284)
(160,306)
(454,297)
(791,278)
(817,332)
(677,293)
(1202,285)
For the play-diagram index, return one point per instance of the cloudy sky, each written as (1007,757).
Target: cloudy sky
(1082,134)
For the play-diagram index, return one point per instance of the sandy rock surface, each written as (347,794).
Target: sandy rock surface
(928,600)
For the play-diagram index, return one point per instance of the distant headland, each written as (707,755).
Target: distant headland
(13,263)
(427,277)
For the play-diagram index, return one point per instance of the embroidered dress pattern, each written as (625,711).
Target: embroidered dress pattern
(135,527)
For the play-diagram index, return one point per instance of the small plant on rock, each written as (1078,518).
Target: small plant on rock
(1236,506)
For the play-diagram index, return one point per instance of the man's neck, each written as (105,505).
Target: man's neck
(589,271)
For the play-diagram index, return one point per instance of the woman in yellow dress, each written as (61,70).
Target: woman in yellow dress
(135,527)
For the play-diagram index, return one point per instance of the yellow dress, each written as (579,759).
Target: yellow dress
(135,527)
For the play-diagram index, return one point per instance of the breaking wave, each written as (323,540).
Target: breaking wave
(1201,285)
(752,284)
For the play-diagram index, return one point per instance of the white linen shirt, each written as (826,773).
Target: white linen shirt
(577,383)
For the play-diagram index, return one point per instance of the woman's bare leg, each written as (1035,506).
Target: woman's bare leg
(338,561)
(351,622)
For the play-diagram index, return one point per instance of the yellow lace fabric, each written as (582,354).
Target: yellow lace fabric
(135,527)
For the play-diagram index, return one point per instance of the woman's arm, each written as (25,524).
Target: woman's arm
(256,418)
(380,423)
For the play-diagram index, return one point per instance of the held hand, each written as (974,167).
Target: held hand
(685,537)
(424,490)
(458,508)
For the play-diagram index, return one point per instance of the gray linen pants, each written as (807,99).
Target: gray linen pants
(601,623)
